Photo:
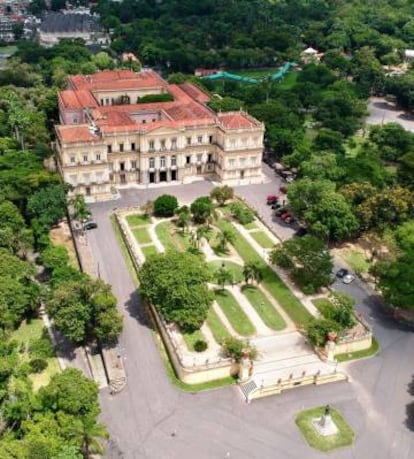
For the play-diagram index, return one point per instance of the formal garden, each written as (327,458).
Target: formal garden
(222,282)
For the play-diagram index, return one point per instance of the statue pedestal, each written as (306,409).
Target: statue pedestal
(330,351)
(325,425)
(245,369)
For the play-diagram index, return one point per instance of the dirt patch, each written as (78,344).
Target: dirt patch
(61,235)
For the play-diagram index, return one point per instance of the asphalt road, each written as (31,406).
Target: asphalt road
(152,419)
(382,112)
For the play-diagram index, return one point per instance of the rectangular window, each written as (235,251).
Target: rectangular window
(73,179)
(253,160)
(173,160)
(199,157)
(133,165)
(210,139)
(73,159)
(152,163)
(121,147)
(200,139)
(210,157)
(109,148)
(133,146)
(188,159)
(102,101)
(173,144)
(85,157)
(122,166)
(232,143)
(232,162)
(188,140)
(242,161)
(107,101)
(151,145)
(162,144)
(97,156)
(162,161)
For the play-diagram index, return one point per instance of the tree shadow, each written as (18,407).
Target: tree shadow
(385,106)
(410,387)
(137,309)
(409,422)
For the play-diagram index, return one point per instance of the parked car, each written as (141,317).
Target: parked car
(90,225)
(289,220)
(341,273)
(283,189)
(271,199)
(280,211)
(286,215)
(276,205)
(348,278)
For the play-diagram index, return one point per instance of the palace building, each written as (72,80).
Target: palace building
(119,128)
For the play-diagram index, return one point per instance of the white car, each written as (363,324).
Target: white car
(348,278)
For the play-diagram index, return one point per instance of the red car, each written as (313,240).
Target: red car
(283,189)
(271,199)
(285,216)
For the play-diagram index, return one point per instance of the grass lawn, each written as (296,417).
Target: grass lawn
(359,354)
(191,338)
(353,145)
(321,304)
(171,237)
(255,73)
(124,249)
(138,220)
(263,307)
(209,385)
(42,379)
(217,327)
(250,226)
(289,80)
(235,269)
(234,313)
(26,334)
(355,259)
(142,235)
(149,250)
(344,437)
(11,49)
(275,286)
(262,239)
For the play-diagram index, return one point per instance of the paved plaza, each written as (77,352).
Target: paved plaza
(153,419)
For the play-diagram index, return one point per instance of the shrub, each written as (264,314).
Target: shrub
(242,213)
(166,97)
(42,348)
(200,345)
(37,365)
(165,205)
(202,209)
(234,348)
(317,330)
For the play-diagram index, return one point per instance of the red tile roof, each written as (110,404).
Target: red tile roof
(73,100)
(195,92)
(76,133)
(237,120)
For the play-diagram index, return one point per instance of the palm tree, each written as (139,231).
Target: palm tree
(201,231)
(225,237)
(184,217)
(81,211)
(223,276)
(252,271)
(88,432)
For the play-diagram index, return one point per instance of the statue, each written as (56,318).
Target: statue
(325,425)
(327,410)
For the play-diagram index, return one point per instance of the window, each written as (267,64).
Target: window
(121,147)
(107,101)
(97,156)
(122,166)
(188,159)
(199,157)
(162,143)
(173,144)
(85,157)
(73,159)
(109,148)
(173,160)
(200,139)
(133,146)
(162,161)
(188,140)
(210,139)
(73,179)
(144,121)
(154,120)
(232,143)
(133,165)
(102,101)
(244,141)
(242,161)
(253,160)
(152,163)
(210,157)
(151,145)
(232,162)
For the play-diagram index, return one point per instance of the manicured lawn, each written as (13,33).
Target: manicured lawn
(191,338)
(149,250)
(250,226)
(138,220)
(28,332)
(255,73)
(234,313)
(262,239)
(322,304)
(171,237)
(142,235)
(263,307)
(217,327)
(235,269)
(359,354)
(344,437)
(11,49)
(275,286)
(355,259)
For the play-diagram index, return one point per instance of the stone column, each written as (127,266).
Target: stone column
(244,368)
(144,177)
(168,175)
(157,176)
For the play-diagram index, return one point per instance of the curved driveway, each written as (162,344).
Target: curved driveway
(153,419)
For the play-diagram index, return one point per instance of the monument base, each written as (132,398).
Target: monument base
(325,426)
